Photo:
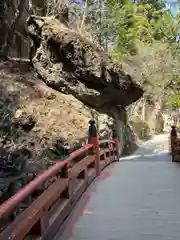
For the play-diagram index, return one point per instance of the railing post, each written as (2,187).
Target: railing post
(116,140)
(65,174)
(94,139)
(173,138)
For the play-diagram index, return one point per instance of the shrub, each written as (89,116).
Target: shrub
(140,127)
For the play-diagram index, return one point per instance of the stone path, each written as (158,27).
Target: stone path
(135,199)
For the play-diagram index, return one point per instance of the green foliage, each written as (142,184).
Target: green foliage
(144,21)
(174,99)
(145,33)
(157,4)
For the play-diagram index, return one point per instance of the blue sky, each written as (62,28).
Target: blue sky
(174,9)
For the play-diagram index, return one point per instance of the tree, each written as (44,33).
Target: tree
(145,35)
(157,4)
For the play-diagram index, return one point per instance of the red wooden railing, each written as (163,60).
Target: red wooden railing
(48,211)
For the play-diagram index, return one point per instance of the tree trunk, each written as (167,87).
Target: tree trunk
(143,115)
(10,35)
(39,7)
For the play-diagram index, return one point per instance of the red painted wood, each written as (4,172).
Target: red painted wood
(93,149)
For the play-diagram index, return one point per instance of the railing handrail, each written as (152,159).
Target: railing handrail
(80,151)
(8,206)
(107,141)
(22,194)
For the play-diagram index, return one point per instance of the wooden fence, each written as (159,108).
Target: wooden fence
(47,212)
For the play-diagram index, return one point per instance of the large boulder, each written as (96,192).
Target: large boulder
(70,64)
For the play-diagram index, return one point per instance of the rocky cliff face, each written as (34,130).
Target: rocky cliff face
(46,108)
(72,65)
(38,120)
(33,115)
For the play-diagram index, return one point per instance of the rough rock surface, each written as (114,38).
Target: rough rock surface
(79,82)
(72,65)
(36,117)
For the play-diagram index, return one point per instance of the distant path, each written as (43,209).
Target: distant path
(135,199)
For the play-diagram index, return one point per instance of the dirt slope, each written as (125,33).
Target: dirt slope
(34,115)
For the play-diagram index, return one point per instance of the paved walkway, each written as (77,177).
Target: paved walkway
(135,199)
